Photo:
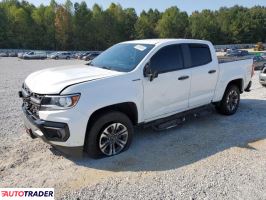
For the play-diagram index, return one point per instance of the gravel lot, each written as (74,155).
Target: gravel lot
(212,157)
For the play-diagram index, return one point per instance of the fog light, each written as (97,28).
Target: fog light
(54,133)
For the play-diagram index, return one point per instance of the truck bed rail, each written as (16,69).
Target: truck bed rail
(225,59)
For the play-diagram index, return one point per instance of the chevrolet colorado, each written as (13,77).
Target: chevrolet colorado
(94,107)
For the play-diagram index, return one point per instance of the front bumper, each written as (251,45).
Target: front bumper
(48,131)
(54,133)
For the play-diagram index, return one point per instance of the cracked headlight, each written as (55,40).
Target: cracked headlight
(60,102)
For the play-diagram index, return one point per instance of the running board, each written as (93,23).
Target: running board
(174,120)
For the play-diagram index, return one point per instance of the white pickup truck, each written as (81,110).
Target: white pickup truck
(153,82)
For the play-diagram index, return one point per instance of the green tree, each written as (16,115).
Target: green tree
(258,24)
(63,26)
(68,27)
(3,29)
(203,25)
(146,23)
(173,24)
(82,26)
(129,23)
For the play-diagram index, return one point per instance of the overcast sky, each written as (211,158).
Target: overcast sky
(184,5)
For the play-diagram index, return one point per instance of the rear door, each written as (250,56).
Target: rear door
(168,93)
(204,74)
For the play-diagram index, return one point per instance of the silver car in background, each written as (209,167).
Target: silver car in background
(61,55)
(262,77)
(34,55)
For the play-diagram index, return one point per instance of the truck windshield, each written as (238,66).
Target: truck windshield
(122,57)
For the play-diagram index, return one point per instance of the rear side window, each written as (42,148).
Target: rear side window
(200,54)
(167,59)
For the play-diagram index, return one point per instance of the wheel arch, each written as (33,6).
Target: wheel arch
(128,108)
(220,89)
(238,82)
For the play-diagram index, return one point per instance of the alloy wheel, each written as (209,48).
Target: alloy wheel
(113,139)
(232,100)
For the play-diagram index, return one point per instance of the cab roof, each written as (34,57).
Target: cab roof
(161,41)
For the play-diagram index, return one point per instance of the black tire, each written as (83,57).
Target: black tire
(67,58)
(230,101)
(100,124)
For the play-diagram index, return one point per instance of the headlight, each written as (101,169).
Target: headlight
(59,102)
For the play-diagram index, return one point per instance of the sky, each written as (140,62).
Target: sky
(185,5)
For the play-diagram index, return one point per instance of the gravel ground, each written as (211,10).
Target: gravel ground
(211,157)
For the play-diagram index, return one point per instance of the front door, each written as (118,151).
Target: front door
(168,93)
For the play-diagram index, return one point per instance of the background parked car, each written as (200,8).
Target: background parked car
(91,56)
(61,55)
(3,54)
(50,55)
(20,54)
(35,55)
(76,55)
(259,62)
(263,55)
(12,54)
(262,77)
(83,54)
(236,53)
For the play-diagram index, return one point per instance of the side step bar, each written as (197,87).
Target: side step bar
(174,120)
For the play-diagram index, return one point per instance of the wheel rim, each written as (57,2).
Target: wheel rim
(113,139)
(232,100)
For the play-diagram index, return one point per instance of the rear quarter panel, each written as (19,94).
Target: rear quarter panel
(231,71)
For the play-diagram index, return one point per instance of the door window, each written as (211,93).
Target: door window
(200,54)
(167,59)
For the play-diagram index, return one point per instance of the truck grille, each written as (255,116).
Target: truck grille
(31,101)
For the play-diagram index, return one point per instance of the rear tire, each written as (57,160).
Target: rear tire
(230,101)
(110,134)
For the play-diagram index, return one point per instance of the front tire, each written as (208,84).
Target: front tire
(110,134)
(230,101)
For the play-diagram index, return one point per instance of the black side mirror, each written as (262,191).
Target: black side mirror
(148,72)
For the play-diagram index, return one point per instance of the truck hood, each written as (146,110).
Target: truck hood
(54,80)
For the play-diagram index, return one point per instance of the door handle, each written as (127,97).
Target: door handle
(212,71)
(183,78)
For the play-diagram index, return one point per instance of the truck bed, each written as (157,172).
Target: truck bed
(225,59)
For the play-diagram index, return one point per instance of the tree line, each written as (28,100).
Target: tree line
(71,26)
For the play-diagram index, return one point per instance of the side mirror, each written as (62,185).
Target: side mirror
(148,72)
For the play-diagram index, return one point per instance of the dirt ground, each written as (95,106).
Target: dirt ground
(211,157)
